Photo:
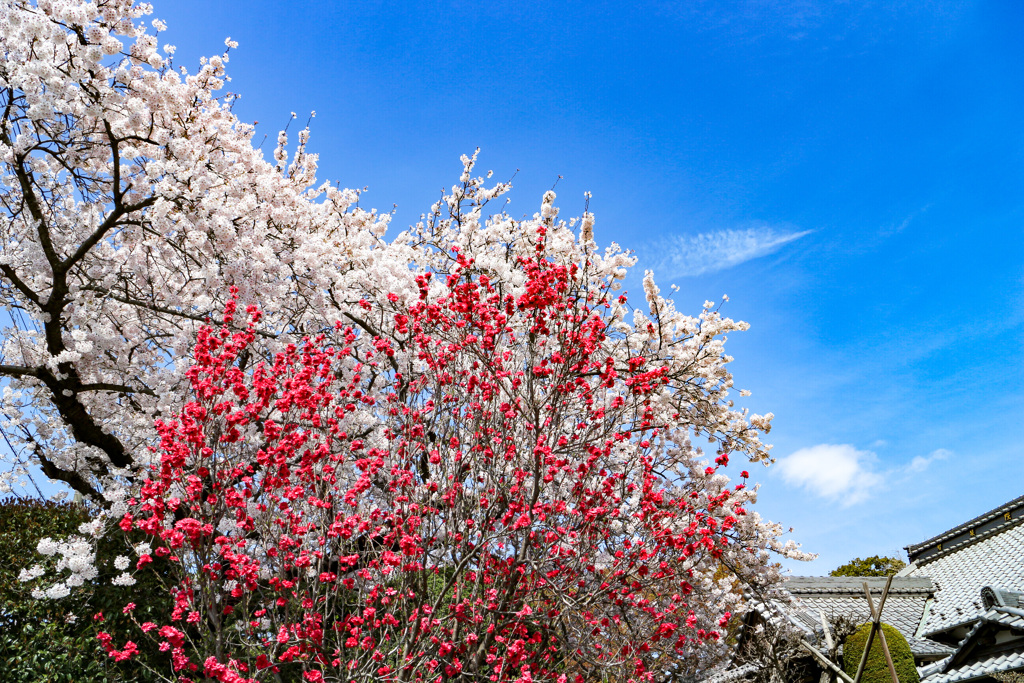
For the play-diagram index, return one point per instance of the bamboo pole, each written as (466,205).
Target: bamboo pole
(828,632)
(874,626)
(888,657)
(826,661)
(876,618)
(830,646)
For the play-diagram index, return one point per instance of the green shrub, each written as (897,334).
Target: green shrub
(37,643)
(53,641)
(876,670)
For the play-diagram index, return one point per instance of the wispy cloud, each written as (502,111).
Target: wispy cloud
(921,462)
(840,28)
(888,231)
(833,471)
(749,20)
(708,252)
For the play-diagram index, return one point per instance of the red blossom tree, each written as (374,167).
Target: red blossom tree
(502,490)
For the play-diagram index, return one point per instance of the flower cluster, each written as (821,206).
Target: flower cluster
(76,555)
(502,487)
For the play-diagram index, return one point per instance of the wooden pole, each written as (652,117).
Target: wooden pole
(888,657)
(875,620)
(881,601)
(829,645)
(877,627)
(826,661)
(864,655)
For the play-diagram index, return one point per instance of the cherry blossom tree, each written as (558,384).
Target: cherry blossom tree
(453,453)
(132,199)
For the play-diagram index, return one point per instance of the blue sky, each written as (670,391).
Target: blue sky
(850,174)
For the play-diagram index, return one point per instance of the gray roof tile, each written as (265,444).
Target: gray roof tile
(978,668)
(853,585)
(902,612)
(922,647)
(960,575)
(1012,620)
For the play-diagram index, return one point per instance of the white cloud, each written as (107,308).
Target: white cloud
(707,252)
(834,471)
(920,463)
(897,228)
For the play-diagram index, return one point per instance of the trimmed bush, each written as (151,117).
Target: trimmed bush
(876,670)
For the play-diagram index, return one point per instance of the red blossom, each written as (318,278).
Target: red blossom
(464,525)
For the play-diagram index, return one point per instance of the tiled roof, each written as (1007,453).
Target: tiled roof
(995,619)
(982,526)
(842,595)
(963,665)
(922,647)
(1008,616)
(729,675)
(902,612)
(959,576)
(986,666)
(853,585)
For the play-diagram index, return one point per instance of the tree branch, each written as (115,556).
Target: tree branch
(69,477)
(20,284)
(110,221)
(120,388)
(84,428)
(18,371)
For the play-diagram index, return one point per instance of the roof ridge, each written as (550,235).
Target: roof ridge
(1016,611)
(853,585)
(1003,516)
